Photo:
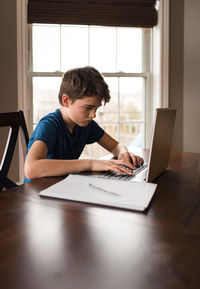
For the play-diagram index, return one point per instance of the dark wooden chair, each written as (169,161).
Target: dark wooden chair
(17,124)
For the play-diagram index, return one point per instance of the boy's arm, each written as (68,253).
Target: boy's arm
(119,150)
(37,166)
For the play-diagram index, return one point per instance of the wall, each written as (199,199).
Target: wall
(184,73)
(176,31)
(191,87)
(8,62)
(8,55)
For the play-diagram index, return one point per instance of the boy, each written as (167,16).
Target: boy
(60,137)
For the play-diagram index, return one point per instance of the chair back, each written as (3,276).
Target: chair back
(17,124)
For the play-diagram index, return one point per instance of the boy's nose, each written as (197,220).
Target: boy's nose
(92,114)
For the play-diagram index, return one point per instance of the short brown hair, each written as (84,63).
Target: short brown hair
(81,82)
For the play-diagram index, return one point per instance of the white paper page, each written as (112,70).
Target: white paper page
(77,188)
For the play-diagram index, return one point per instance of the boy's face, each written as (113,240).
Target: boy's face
(82,111)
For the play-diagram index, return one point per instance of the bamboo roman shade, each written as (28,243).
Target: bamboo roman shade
(127,13)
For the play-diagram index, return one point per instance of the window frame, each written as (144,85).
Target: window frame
(159,84)
(146,75)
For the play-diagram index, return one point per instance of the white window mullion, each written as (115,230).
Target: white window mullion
(147,98)
(89,48)
(47,74)
(88,45)
(164,50)
(118,111)
(116,65)
(147,112)
(60,47)
(146,50)
(30,79)
(22,68)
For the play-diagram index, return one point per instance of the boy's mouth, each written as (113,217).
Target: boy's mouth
(87,121)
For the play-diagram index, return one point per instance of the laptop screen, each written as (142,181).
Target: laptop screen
(161,142)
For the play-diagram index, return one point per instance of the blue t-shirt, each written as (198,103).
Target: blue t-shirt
(61,144)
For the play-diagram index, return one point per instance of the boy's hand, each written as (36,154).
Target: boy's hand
(118,166)
(129,157)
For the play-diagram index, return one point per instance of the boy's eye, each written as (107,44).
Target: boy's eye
(89,107)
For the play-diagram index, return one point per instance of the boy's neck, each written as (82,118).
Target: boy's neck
(68,122)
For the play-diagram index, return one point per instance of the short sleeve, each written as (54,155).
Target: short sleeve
(46,132)
(95,132)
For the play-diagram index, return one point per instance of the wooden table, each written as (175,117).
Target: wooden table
(57,244)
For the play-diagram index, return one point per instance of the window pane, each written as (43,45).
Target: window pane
(131,135)
(103,48)
(131,98)
(111,129)
(95,150)
(46,48)
(45,96)
(98,151)
(109,112)
(74,47)
(129,49)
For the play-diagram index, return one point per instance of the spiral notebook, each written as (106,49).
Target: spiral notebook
(101,191)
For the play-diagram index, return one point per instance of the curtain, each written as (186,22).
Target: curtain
(125,13)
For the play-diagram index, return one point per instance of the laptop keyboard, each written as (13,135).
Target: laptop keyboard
(112,174)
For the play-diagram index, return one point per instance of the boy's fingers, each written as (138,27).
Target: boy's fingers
(122,170)
(128,161)
(131,158)
(141,161)
(129,165)
(137,161)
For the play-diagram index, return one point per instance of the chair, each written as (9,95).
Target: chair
(17,124)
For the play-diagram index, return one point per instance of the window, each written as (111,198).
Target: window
(122,55)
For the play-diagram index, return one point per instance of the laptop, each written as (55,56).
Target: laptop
(159,150)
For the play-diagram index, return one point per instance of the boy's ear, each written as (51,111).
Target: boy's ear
(66,100)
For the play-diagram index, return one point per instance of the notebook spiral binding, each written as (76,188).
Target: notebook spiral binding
(110,178)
